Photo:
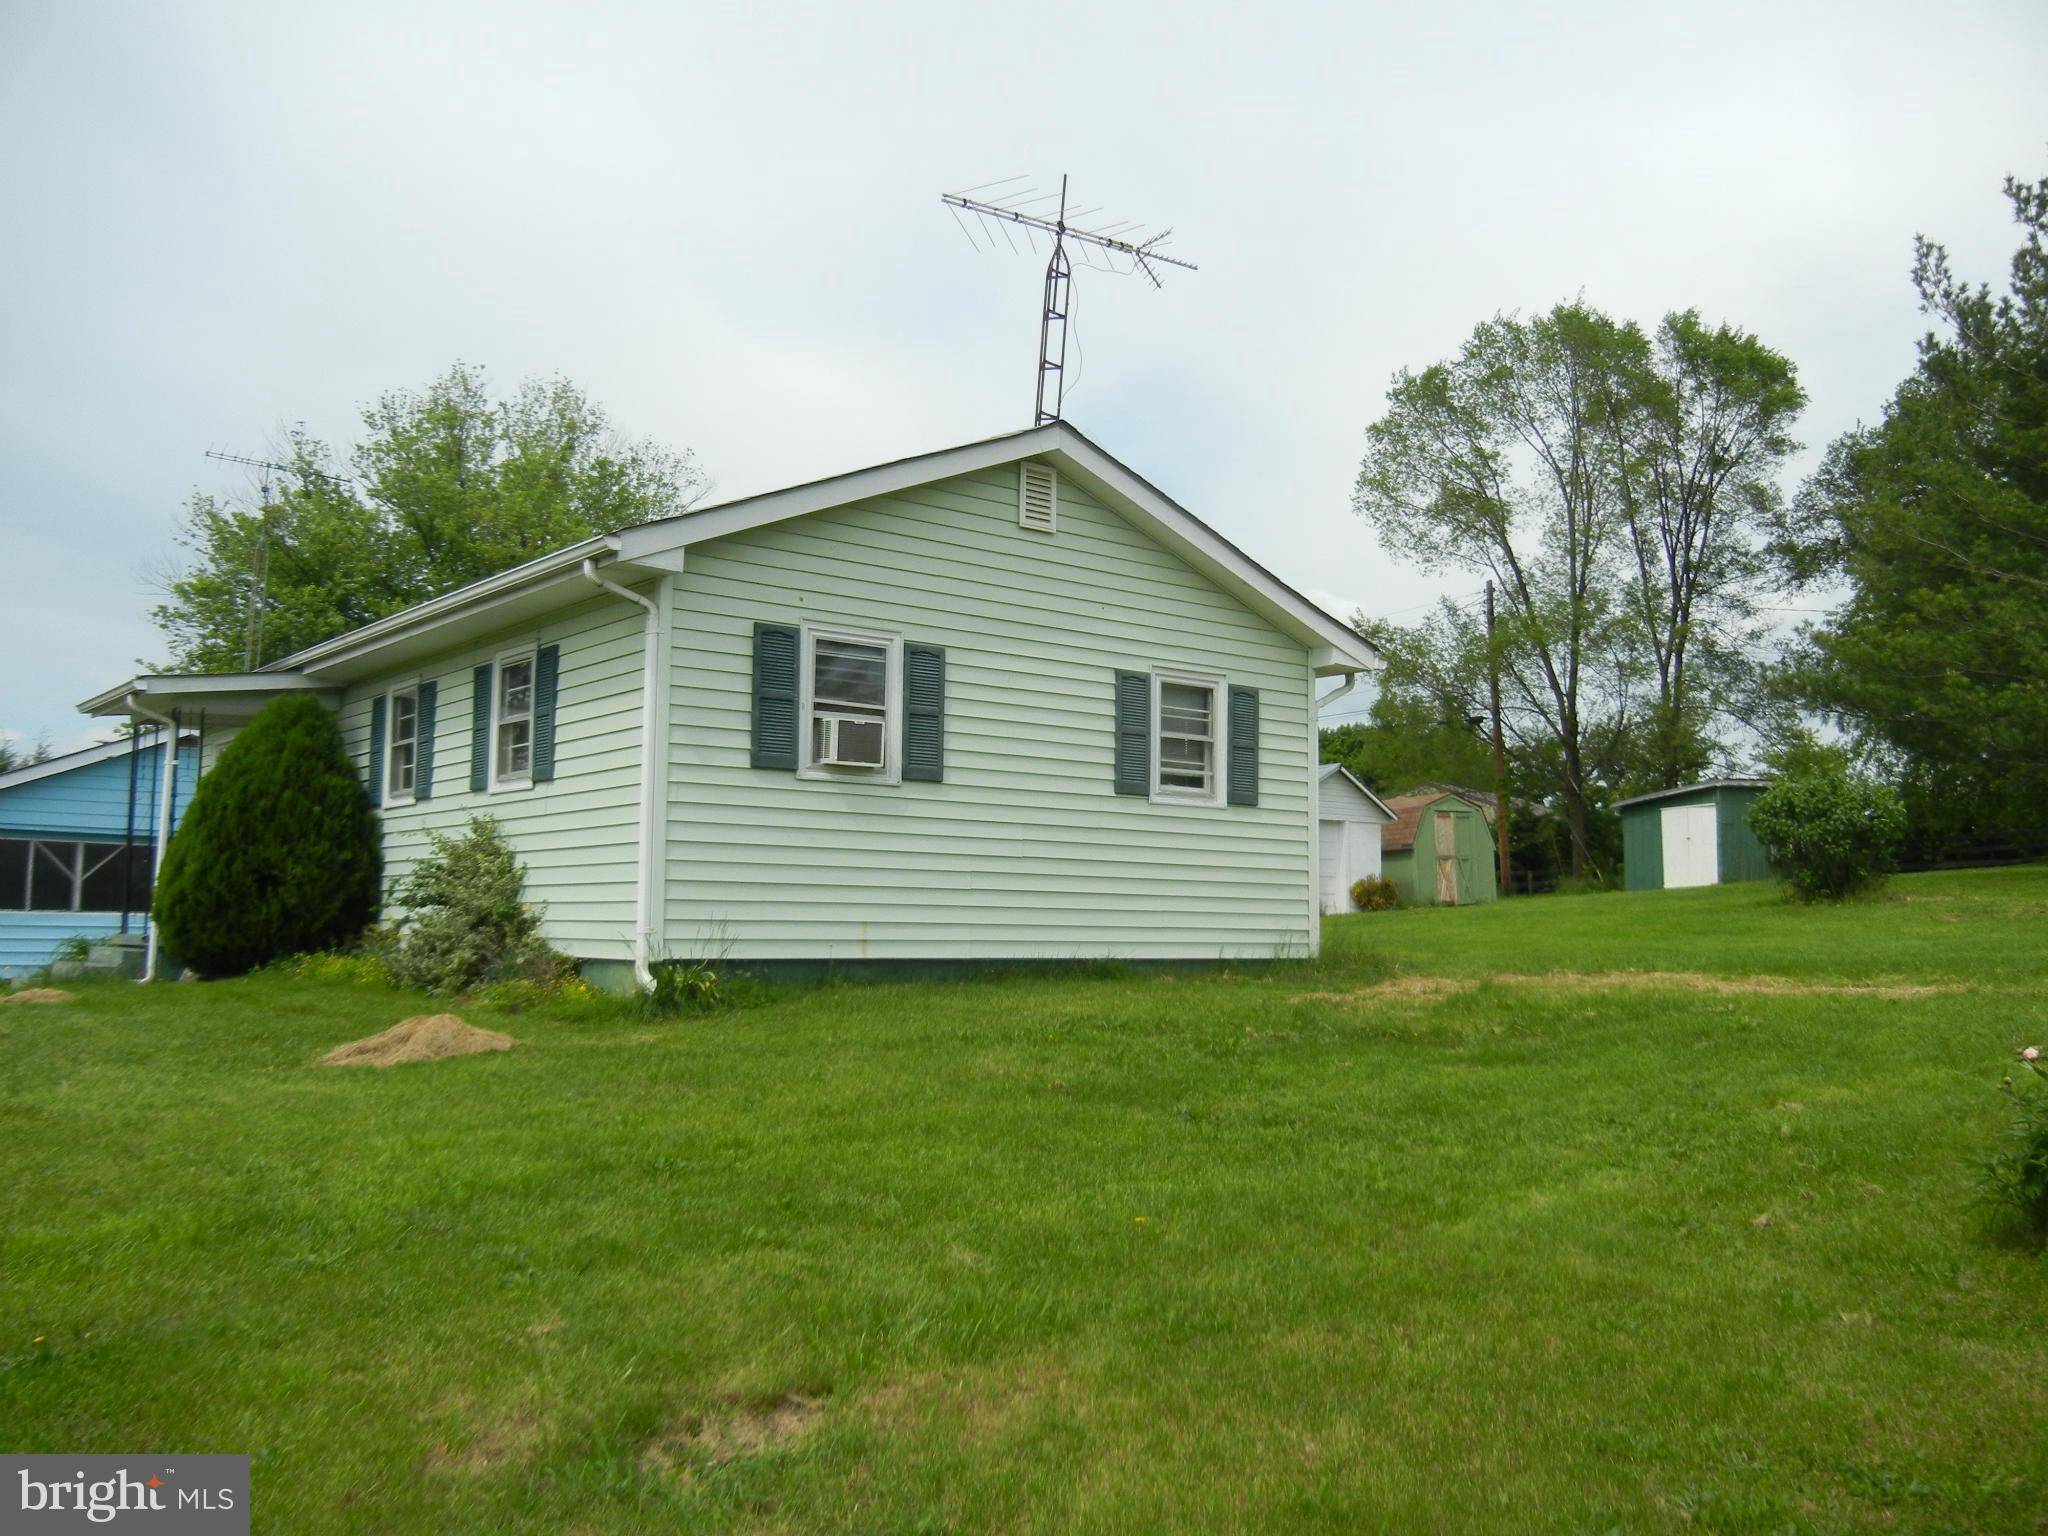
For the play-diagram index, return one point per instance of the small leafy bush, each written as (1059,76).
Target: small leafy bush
(277,854)
(1830,834)
(467,920)
(685,986)
(1375,893)
(2016,1176)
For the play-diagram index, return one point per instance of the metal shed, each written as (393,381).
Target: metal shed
(1438,850)
(1697,834)
(1348,821)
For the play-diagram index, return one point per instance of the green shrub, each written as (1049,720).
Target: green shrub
(1375,893)
(1830,834)
(2016,1176)
(277,854)
(685,986)
(466,918)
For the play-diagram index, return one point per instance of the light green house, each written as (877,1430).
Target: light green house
(1004,701)
(1697,834)
(1438,850)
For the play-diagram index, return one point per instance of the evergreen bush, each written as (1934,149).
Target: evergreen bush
(277,853)
(1375,893)
(1829,833)
(467,919)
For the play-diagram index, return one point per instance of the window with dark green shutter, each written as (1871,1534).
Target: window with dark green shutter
(480,729)
(775,704)
(377,750)
(924,712)
(1133,733)
(547,673)
(1244,746)
(423,776)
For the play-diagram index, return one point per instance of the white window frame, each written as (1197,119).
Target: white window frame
(393,796)
(1219,733)
(530,654)
(891,771)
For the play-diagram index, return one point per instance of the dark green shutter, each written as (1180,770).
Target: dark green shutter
(547,672)
(1244,746)
(775,667)
(1133,733)
(924,712)
(423,750)
(377,749)
(480,729)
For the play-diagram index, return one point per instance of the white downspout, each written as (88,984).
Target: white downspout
(1315,809)
(168,788)
(650,758)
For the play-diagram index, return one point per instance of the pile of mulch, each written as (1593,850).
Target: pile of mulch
(39,995)
(430,1037)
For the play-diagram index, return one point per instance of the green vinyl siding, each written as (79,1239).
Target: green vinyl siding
(578,834)
(1413,871)
(1024,849)
(1739,855)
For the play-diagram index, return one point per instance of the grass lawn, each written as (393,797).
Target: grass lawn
(1261,1252)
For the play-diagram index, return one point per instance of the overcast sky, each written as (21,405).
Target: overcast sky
(723,221)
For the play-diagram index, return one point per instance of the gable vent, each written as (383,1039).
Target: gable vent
(1038,497)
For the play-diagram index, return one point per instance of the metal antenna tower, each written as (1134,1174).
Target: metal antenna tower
(1120,247)
(259,574)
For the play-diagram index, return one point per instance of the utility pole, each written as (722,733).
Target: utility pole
(1101,248)
(1500,753)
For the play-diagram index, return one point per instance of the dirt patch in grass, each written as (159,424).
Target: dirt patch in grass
(40,995)
(1729,986)
(975,1406)
(735,1428)
(1399,989)
(429,1037)
(497,1444)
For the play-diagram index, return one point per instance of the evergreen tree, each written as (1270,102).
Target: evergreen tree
(278,852)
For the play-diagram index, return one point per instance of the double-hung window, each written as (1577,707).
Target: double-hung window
(852,684)
(1188,713)
(512,723)
(401,761)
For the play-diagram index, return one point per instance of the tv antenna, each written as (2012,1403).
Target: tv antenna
(1121,247)
(259,572)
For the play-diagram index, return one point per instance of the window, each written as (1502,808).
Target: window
(401,761)
(1189,732)
(512,727)
(52,875)
(851,683)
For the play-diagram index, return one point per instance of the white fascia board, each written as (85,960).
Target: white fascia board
(84,757)
(422,616)
(1335,647)
(1331,770)
(172,688)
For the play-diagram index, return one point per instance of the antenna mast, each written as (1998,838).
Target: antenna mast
(1120,247)
(259,571)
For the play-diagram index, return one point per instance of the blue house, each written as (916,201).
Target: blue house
(77,846)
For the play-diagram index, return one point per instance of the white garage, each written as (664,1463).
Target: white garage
(1348,821)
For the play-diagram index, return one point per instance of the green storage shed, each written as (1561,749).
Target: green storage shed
(1438,850)
(1697,834)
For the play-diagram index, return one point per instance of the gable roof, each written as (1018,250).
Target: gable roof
(1398,835)
(1336,645)
(1331,770)
(1693,789)
(84,757)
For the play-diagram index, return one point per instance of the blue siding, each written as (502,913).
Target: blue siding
(89,803)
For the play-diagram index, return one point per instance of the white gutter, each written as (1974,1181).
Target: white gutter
(163,819)
(650,760)
(1315,814)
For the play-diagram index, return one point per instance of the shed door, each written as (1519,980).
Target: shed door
(1330,857)
(1691,856)
(1447,858)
